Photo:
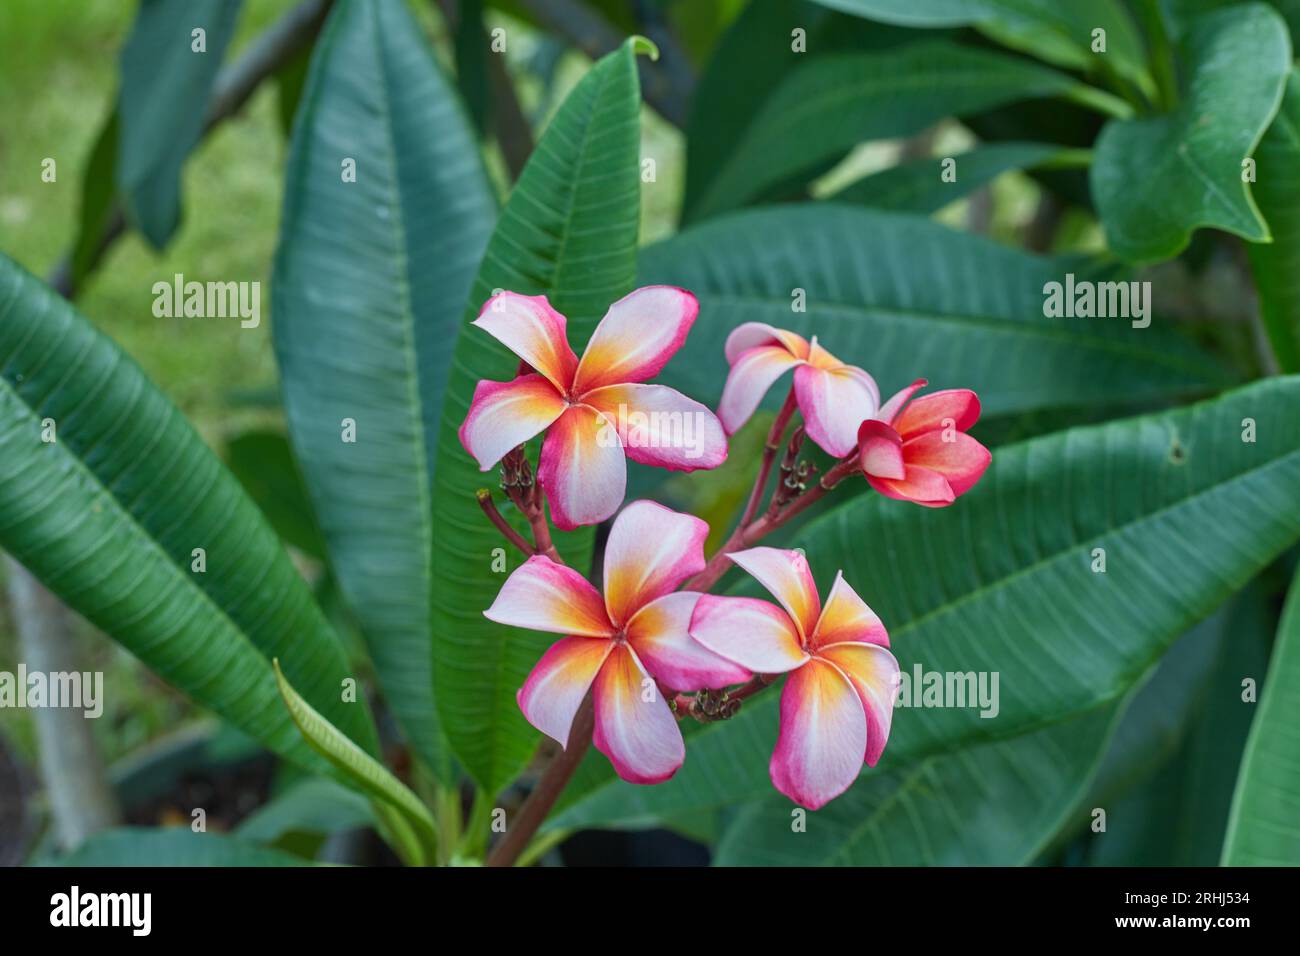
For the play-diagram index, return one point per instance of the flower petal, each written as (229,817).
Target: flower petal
(634,727)
(919,485)
(928,413)
(637,337)
(880,450)
(753,334)
(751,375)
(889,411)
(754,634)
(834,402)
(789,579)
(529,327)
(505,414)
(823,736)
(846,617)
(554,690)
(961,461)
(873,672)
(659,635)
(651,549)
(660,426)
(544,596)
(582,468)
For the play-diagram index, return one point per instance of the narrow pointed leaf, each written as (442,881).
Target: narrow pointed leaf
(569,231)
(370,281)
(360,769)
(919,185)
(109,512)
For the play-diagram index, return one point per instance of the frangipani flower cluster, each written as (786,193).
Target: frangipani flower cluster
(652,646)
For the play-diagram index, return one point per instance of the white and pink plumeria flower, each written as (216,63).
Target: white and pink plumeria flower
(834,398)
(919,451)
(621,646)
(838,701)
(596,411)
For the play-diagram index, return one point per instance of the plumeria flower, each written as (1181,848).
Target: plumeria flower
(920,451)
(833,398)
(620,644)
(838,700)
(595,410)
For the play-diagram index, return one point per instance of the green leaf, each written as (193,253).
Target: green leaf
(174,846)
(754,57)
(264,465)
(370,279)
(472,51)
(1262,825)
(906,297)
(1155,180)
(569,231)
(1003,582)
(1178,816)
(1276,264)
(918,186)
(315,806)
(367,775)
(164,103)
(108,515)
(989,805)
(833,102)
(97,195)
(1058,31)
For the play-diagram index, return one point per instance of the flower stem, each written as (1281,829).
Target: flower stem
(499,522)
(770,449)
(548,789)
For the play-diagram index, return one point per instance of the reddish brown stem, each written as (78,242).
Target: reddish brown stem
(549,787)
(500,523)
(770,449)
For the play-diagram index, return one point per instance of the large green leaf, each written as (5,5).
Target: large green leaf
(1264,823)
(569,231)
(991,805)
(1059,31)
(830,103)
(370,280)
(316,806)
(1003,582)
(164,102)
(904,297)
(109,513)
(1276,265)
(752,60)
(175,846)
(919,186)
(1155,180)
